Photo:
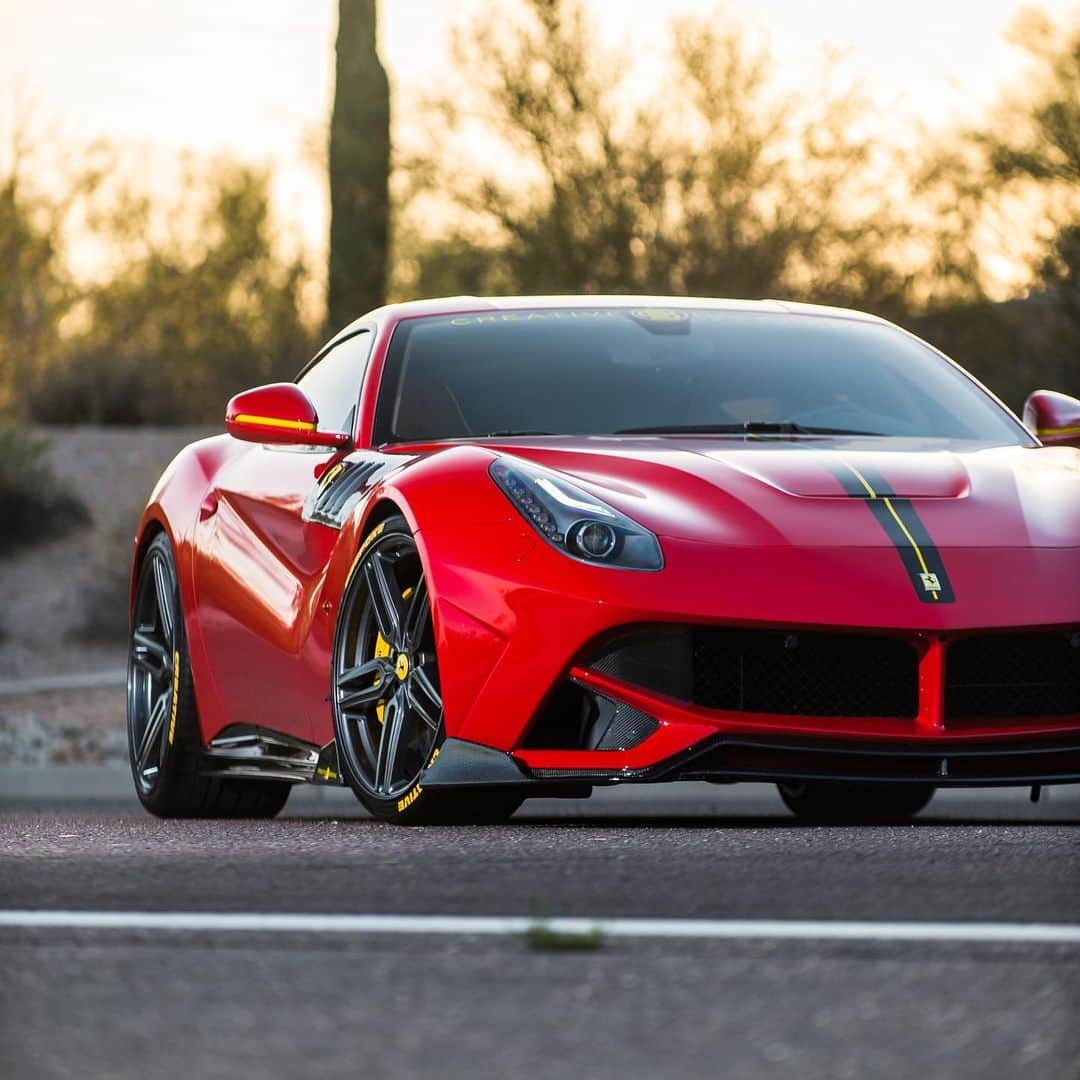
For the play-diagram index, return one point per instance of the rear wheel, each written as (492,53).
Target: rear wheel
(839,802)
(386,692)
(164,744)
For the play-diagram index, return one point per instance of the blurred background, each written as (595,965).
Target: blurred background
(193,196)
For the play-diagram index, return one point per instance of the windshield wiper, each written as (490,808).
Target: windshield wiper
(751,427)
(684,429)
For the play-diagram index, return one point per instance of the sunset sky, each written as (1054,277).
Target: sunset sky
(254,77)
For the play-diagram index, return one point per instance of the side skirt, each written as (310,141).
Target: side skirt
(259,754)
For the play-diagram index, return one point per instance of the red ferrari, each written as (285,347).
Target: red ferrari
(484,550)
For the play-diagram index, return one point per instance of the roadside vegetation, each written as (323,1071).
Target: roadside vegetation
(34,503)
(194,301)
(725,184)
(541,166)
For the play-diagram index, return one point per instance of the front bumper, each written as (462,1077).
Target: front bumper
(522,621)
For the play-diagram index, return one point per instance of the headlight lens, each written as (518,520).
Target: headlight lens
(575,522)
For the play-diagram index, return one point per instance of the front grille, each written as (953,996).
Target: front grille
(658,659)
(792,673)
(989,677)
(1013,675)
(783,672)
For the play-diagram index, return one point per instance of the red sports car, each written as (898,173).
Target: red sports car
(483,550)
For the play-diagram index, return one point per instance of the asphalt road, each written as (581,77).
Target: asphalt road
(170,1003)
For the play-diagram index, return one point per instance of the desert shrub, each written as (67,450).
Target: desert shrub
(34,505)
(105,598)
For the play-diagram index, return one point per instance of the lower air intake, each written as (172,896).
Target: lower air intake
(782,672)
(794,673)
(999,676)
(580,719)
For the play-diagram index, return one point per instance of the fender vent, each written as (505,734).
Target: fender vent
(338,487)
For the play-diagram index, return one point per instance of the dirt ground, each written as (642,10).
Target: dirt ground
(49,592)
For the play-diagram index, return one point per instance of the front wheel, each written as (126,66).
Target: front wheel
(851,803)
(386,693)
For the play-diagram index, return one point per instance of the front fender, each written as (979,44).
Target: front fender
(173,508)
(470,540)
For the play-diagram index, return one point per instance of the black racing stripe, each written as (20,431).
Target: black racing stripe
(932,557)
(908,555)
(879,495)
(850,482)
(907,513)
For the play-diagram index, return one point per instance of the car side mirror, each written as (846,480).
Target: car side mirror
(1053,417)
(279,413)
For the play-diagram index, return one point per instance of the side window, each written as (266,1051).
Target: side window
(333,382)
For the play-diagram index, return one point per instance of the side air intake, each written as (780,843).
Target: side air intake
(577,718)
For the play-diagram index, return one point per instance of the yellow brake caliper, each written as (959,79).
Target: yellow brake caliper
(382,651)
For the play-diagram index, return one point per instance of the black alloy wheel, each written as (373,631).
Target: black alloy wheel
(153,668)
(164,741)
(386,693)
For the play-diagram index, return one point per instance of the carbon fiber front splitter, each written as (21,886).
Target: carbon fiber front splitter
(727,758)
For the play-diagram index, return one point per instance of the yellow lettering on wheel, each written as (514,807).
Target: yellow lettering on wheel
(175,694)
(406,801)
(369,540)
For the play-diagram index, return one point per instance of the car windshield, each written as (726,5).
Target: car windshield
(673,370)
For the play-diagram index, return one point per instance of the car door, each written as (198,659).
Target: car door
(260,561)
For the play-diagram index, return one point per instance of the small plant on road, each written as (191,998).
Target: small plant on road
(541,937)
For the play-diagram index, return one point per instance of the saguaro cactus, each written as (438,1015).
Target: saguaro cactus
(359,168)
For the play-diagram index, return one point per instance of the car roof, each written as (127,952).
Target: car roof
(457,305)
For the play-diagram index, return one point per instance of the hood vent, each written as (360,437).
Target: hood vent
(811,473)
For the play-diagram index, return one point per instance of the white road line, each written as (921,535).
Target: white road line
(730,929)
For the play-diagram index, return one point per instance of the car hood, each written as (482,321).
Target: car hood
(809,492)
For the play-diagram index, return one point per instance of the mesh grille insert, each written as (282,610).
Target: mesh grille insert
(793,673)
(784,672)
(1014,675)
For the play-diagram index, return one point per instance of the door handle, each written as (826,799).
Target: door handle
(209,506)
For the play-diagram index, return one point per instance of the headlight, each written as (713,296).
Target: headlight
(575,522)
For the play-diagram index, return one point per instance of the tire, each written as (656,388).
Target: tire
(386,694)
(851,803)
(164,742)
